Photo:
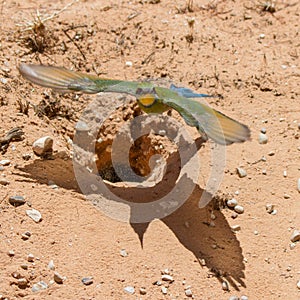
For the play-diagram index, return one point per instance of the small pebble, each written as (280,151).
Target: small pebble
(166,277)
(286,196)
(53,185)
(164,290)
(30,257)
(298,185)
(123,253)
(264,172)
(298,284)
(284,173)
(236,227)
(22,282)
(295,237)
(165,271)
(244,298)
(51,265)
(239,209)
(129,290)
(26,235)
(16,200)
(241,172)
(255,232)
(43,146)
(26,156)
(58,278)
(271,153)
(87,280)
(4,181)
(234,215)
(262,138)
(143,291)
(292,246)
(269,208)
(188,292)
(41,285)
(225,286)
(234,298)
(263,130)
(128,63)
(162,132)
(24,266)
(34,214)
(11,253)
(232,203)
(4,162)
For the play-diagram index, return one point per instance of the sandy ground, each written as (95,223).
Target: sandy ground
(246,51)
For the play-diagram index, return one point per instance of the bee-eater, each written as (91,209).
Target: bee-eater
(151,99)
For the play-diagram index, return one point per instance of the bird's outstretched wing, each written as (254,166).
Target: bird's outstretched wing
(215,125)
(64,80)
(211,123)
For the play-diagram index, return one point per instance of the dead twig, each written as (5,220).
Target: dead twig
(75,44)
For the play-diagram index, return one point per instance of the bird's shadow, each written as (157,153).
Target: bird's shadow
(215,247)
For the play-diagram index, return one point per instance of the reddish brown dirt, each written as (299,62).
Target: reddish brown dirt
(238,49)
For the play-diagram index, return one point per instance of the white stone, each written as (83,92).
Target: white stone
(43,146)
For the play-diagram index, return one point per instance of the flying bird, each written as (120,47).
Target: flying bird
(151,98)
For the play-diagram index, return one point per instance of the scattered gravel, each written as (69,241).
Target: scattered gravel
(58,278)
(239,209)
(129,290)
(43,146)
(4,162)
(164,290)
(30,257)
(269,208)
(4,181)
(22,283)
(87,280)
(41,285)
(234,215)
(295,237)
(167,277)
(263,130)
(123,253)
(225,286)
(51,265)
(232,203)
(262,138)
(16,200)
(26,235)
(24,266)
(188,293)
(241,172)
(236,227)
(34,214)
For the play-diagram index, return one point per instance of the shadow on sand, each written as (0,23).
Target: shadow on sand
(215,247)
